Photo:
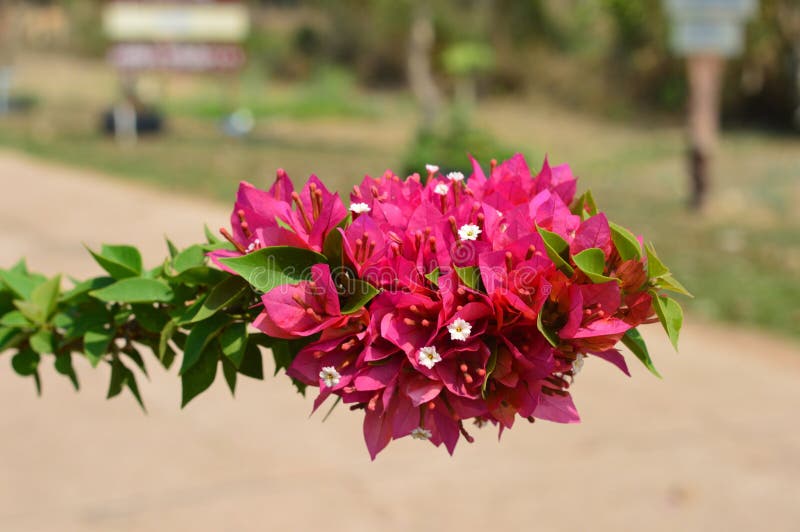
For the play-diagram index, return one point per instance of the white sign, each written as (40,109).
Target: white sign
(176,22)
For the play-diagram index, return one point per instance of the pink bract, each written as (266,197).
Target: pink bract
(475,317)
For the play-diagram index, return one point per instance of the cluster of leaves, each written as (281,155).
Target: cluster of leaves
(181,306)
(592,263)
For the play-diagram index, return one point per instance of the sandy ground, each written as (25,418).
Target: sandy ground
(714,446)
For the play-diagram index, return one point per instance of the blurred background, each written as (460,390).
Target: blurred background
(188,98)
(342,89)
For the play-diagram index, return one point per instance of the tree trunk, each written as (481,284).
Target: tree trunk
(420,71)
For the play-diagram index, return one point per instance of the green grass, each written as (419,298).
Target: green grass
(741,259)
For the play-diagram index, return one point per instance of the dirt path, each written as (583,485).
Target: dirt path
(714,446)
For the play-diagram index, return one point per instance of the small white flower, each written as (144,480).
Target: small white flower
(428,356)
(254,245)
(431,168)
(442,189)
(359,208)
(460,329)
(455,176)
(330,376)
(577,366)
(469,232)
(421,434)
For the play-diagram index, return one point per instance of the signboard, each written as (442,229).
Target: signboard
(175,35)
(709,26)
(172,21)
(187,57)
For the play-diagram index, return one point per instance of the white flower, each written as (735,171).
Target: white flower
(577,365)
(431,168)
(428,356)
(442,189)
(455,176)
(253,245)
(469,232)
(330,376)
(359,208)
(460,329)
(421,434)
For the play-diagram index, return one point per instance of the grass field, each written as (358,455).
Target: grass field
(741,258)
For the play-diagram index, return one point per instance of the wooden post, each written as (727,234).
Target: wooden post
(420,71)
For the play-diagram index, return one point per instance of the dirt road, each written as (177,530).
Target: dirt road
(713,446)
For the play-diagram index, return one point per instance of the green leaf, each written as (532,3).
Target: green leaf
(190,257)
(20,267)
(585,203)
(10,338)
(85,287)
(433,277)
(633,340)
(670,315)
(168,357)
(229,372)
(556,248)
(668,282)
(252,364)
(173,250)
(491,364)
(15,318)
(210,237)
(122,377)
(201,376)
(285,225)
(96,342)
(655,268)
(274,266)
(626,242)
(120,262)
(199,338)
(45,296)
(150,318)
(551,336)
(470,276)
(42,342)
(360,293)
(132,353)
(592,262)
(26,362)
(136,290)
(92,315)
(63,365)
(200,275)
(233,342)
(21,284)
(332,246)
(163,341)
(282,353)
(221,296)
(30,310)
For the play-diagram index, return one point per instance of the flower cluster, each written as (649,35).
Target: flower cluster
(437,300)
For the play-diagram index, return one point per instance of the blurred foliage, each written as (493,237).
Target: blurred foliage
(330,92)
(468,58)
(515,44)
(448,147)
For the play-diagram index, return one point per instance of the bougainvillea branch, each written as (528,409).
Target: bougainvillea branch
(424,302)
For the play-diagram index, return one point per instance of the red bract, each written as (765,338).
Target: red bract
(450,301)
